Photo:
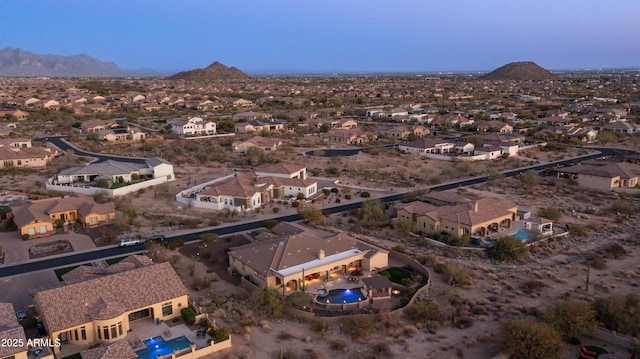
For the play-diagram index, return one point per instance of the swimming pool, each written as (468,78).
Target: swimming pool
(522,234)
(158,345)
(340,296)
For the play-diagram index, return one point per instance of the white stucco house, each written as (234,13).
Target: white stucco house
(194,126)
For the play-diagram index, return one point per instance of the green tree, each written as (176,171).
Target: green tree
(455,274)
(550,213)
(405,226)
(508,248)
(311,214)
(619,313)
(422,311)
(531,340)
(529,179)
(570,317)
(372,212)
(606,137)
(298,300)
(267,300)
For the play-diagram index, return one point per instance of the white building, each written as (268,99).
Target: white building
(194,126)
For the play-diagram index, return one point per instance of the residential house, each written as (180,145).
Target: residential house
(398,132)
(251,116)
(6,128)
(194,126)
(13,114)
(480,217)
(426,146)
(95,126)
(493,126)
(421,131)
(257,126)
(339,123)
(98,306)
(606,177)
(244,192)
(499,138)
(38,218)
(556,121)
(267,144)
(349,137)
(85,179)
(18,153)
(12,337)
(301,254)
(489,151)
(626,127)
(122,134)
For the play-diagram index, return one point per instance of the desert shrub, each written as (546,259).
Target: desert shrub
(597,261)
(423,311)
(319,325)
(357,326)
(507,248)
(464,323)
(577,229)
(219,334)
(531,340)
(175,244)
(533,286)
(347,196)
(188,315)
(455,274)
(550,213)
(338,345)
(616,251)
(381,349)
(201,283)
(269,223)
(622,206)
(399,248)
(298,300)
(275,209)
(570,318)
(267,300)
(284,335)
(365,194)
(619,313)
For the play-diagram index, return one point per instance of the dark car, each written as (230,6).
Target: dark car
(156,238)
(41,331)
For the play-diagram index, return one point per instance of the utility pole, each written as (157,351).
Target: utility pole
(586,288)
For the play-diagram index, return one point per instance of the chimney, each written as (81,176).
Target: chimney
(475,206)
(321,254)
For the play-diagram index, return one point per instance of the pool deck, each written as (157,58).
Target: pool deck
(143,329)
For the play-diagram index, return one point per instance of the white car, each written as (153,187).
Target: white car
(129,242)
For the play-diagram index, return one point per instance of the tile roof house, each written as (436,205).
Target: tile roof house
(85,179)
(349,136)
(267,144)
(478,217)
(17,152)
(38,218)
(97,125)
(243,192)
(427,146)
(118,350)
(605,177)
(283,263)
(100,310)
(266,125)
(12,337)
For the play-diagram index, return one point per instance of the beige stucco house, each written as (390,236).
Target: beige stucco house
(300,253)
(606,177)
(97,307)
(38,218)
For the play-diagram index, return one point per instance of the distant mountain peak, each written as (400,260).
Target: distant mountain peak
(15,62)
(521,71)
(215,71)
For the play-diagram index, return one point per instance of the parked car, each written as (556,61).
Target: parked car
(156,238)
(21,314)
(127,242)
(41,330)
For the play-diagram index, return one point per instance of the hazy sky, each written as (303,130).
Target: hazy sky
(325,35)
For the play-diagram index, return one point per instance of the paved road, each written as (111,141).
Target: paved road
(59,142)
(74,259)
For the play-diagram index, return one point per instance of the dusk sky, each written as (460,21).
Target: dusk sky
(328,35)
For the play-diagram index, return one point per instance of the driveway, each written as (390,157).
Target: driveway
(17,250)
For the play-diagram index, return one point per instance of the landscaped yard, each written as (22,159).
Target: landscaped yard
(397,275)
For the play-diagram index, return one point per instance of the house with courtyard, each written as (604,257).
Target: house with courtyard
(19,153)
(194,126)
(12,337)
(435,146)
(94,126)
(257,126)
(39,218)
(114,178)
(252,190)
(121,134)
(606,177)
(99,305)
(300,254)
(478,217)
(353,136)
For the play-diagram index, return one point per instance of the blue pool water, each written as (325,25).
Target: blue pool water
(158,345)
(522,234)
(339,296)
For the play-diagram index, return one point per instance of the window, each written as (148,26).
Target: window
(43,229)
(114,333)
(105,331)
(32,231)
(167,309)
(75,332)
(120,331)
(83,333)
(99,333)
(93,220)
